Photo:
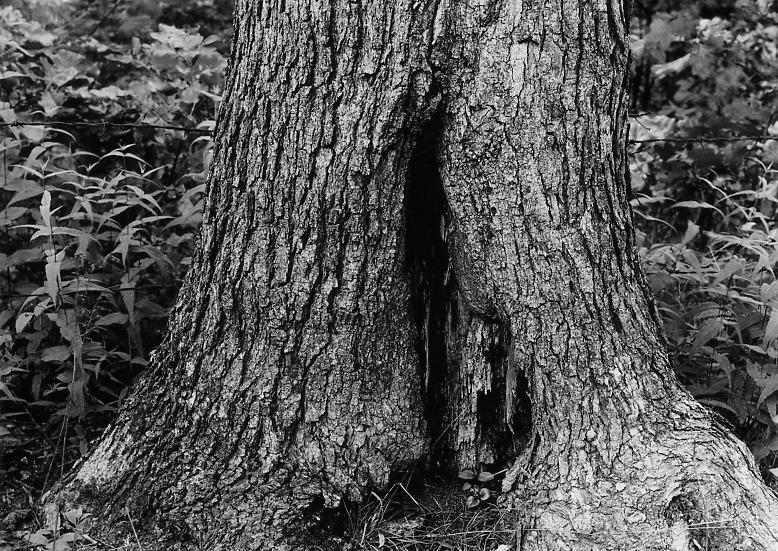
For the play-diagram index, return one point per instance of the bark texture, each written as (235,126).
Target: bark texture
(533,163)
(323,340)
(290,376)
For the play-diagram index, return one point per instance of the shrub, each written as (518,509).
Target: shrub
(97,221)
(717,293)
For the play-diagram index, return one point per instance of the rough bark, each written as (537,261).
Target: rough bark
(532,160)
(290,375)
(323,341)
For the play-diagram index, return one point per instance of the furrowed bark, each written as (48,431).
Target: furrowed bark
(360,303)
(533,163)
(290,376)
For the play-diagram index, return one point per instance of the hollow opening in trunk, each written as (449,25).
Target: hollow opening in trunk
(463,357)
(432,279)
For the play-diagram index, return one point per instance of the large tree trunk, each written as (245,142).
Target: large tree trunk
(323,342)
(533,163)
(291,372)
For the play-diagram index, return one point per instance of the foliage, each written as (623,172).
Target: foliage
(717,293)
(703,70)
(97,223)
(75,523)
(706,211)
(480,487)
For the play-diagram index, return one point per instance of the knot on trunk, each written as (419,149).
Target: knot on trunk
(694,522)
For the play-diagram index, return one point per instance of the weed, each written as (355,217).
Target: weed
(717,293)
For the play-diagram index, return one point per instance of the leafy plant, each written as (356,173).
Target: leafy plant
(96,238)
(479,487)
(76,523)
(703,70)
(717,292)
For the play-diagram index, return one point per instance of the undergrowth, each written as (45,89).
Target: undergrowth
(717,294)
(96,228)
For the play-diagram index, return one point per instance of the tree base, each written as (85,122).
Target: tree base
(690,490)
(693,490)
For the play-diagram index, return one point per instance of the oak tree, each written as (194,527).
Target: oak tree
(417,248)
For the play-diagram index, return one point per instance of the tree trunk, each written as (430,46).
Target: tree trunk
(323,341)
(290,374)
(533,163)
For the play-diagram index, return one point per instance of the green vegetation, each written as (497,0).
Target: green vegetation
(98,219)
